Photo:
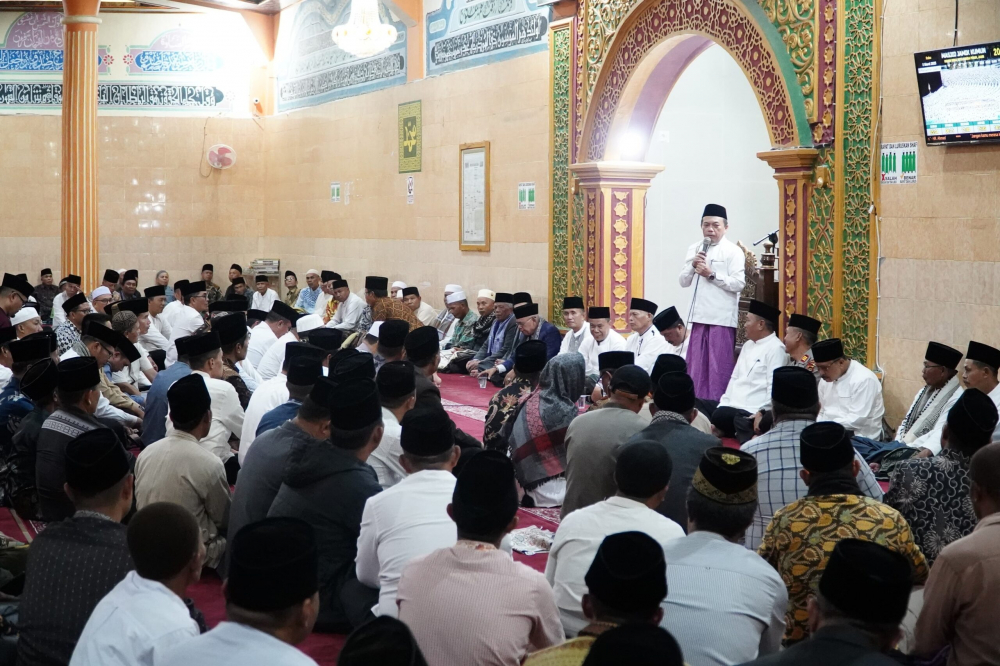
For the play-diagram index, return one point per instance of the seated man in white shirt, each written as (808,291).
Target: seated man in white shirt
(278,323)
(672,328)
(272,600)
(410,519)
(396,384)
(158,335)
(144,616)
(924,421)
(351,306)
(849,394)
(645,342)
(726,604)
(575,318)
(189,318)
(602,339)
(421,310)
(263,296)
(270,364)
(642,473)
(750,385)
(171,309)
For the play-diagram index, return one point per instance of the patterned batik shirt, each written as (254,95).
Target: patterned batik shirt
(501,406)
(799,540)
(231,374)
(213,292)
(933,495)
(66,336)
(464,336)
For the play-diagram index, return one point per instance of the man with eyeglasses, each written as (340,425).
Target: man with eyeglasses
(922,425)
(68,333)
(189,318)
(70,286)
(101,298)
(14,292)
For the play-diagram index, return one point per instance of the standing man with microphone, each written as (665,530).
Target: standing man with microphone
(716,267)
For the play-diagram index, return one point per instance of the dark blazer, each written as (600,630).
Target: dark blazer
(829,646)
(485,358)
(546,332)
(686,446)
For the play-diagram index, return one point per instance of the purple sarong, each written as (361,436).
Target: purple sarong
(710,359)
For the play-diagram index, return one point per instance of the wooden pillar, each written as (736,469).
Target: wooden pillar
(793,169)
(614,195)
(79,141)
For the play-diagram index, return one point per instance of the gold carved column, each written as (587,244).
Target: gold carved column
(614,195)
(793,169)
(79,141)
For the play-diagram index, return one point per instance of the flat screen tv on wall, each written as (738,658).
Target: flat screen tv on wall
(960,94)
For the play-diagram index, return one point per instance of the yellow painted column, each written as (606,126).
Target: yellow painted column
(79,141)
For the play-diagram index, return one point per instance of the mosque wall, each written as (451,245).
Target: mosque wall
(940,279)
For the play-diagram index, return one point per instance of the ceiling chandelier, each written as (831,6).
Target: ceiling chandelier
(364,34)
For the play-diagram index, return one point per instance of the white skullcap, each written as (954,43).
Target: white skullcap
(455,297)
(399,284)
(100,291)
(26,313)
(376,327)
(312,271)
(452,288)
(308,323)
(486,293)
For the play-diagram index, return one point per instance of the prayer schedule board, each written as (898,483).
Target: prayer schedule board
(474,197)
(960,94)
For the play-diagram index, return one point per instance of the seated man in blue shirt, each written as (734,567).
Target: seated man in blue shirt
(530,326)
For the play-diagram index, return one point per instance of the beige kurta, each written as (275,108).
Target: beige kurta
(177,469)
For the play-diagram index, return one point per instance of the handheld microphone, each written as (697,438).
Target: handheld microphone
(705,245)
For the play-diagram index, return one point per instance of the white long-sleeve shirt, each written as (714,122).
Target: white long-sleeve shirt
(347,314)
(750,384)
(385,459)
(426,313)
(135,624)
(58,314)
(717,301)
(577,339)
(185,322)
(404,522)
(681,349)
(264,301)
(158,335)
(270,364)
(268,395)
(646,347)
(591,349)
(854,401)
(227,417)
(230,644)
(170,311)
(261,339)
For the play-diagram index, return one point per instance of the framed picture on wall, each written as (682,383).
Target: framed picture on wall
(474,197)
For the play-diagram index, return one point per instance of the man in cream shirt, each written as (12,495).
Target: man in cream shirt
(849,394)
(645,342)
(750,385)
(602,339)
(670,325)
(575,317)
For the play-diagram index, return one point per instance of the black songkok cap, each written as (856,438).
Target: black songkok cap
(105,334)
(612,360)
(825,447)
(411,291)
(294,350)
(983,354)
(44,335)
(724,420)
(322,392)
(376,283)
(273,565)
(806,323)
(40,380)
(18,284)
(73,302)
(355,405)
(7,334)
(286,311)
(727,476)
(525,310)
(339,284)
(971,420)
(530,356)
(328,339)
(260,278)
(239,280)
(867,581)
(354,366)
(31,348)
(643,468)
(571,302)
(256,315)
(329,276)
(666,363)
(599,312)
(828,350)
(637,644)
(631,379)
(674,392)
(95,461)
(136,306)
(231,328)
(203,343)
(304,371)
(395,379)
(181,344)
(392,333)
(715,210)
(485,497)
(193,288)
(794,387)
(180,285)
(236,267)
(208,267)
(154,291)
(46,271)
(73,279)
(289,274)
(384,641)
(427,431)
(629,573)
(189,399)
(111,275)
(764,311)
(131,274)
(78,374)
(228,306)
(521,297)
(943,355)
(422,343)
(504,297)
(643,305)
(667,319)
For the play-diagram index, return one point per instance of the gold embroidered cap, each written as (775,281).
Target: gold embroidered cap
(727,476)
